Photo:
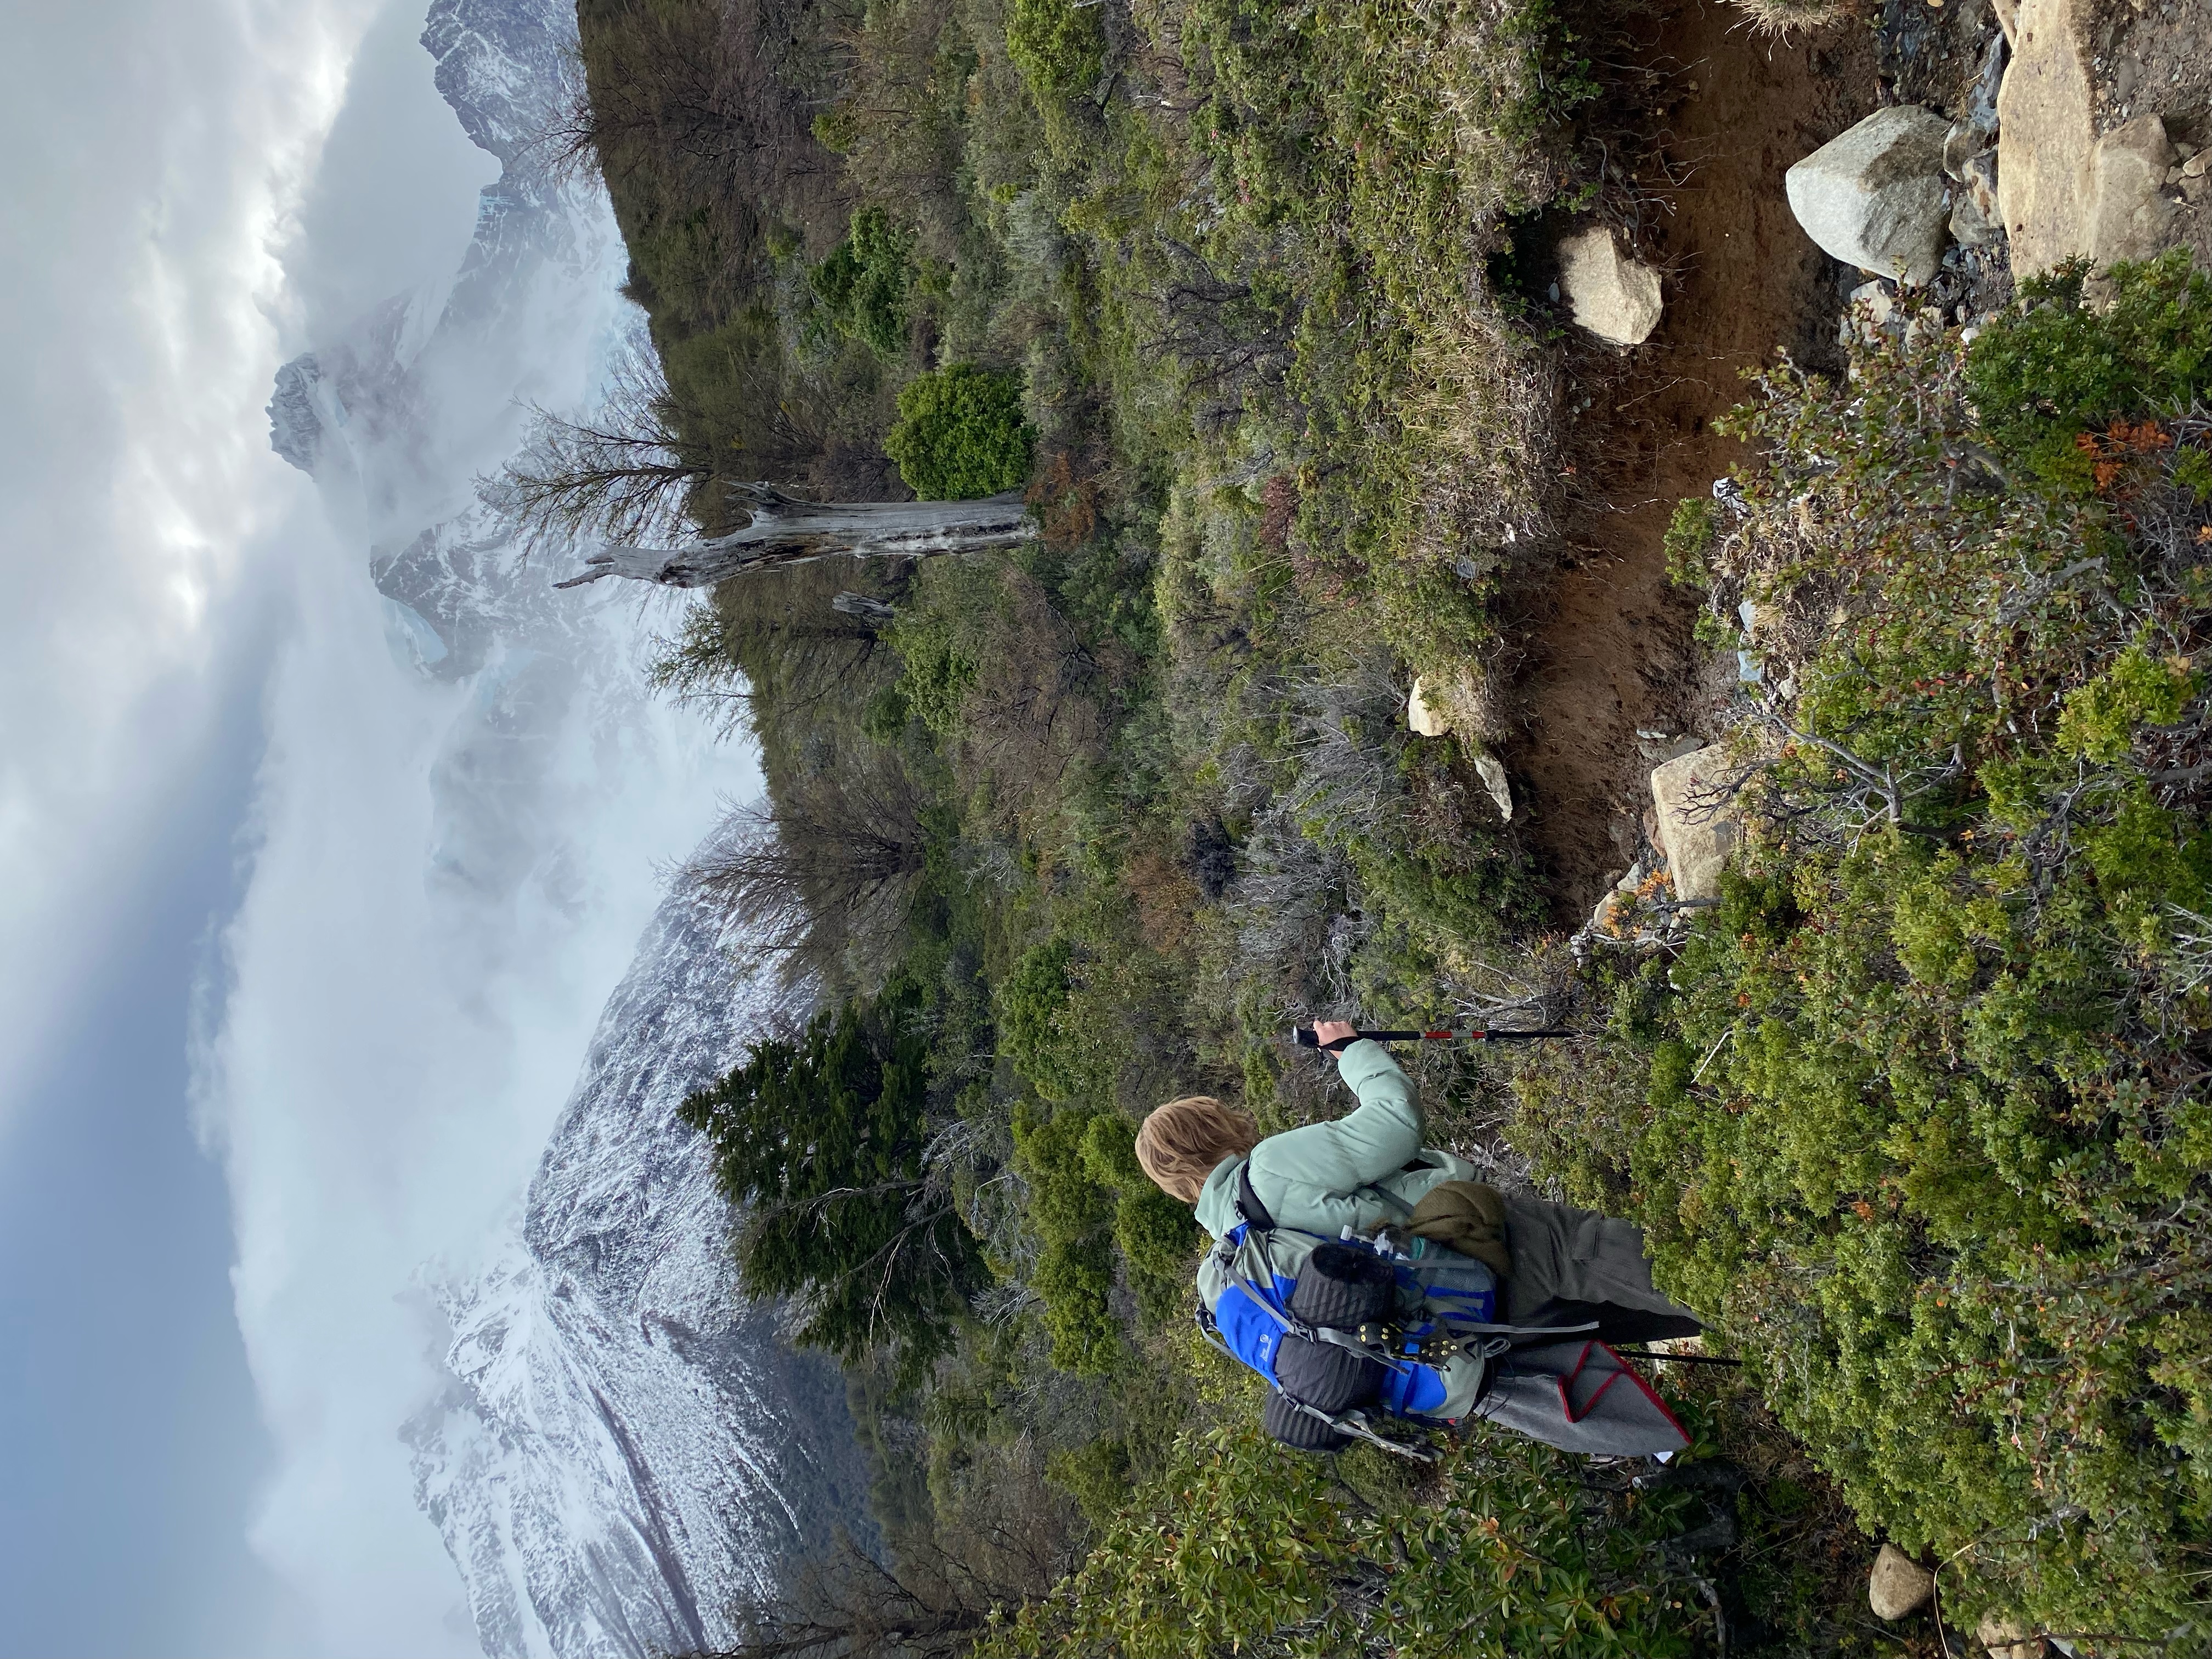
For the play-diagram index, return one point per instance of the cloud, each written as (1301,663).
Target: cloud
(391,1054)
(166,145)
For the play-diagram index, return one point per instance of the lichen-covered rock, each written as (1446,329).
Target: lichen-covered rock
(1874,196)
(1492,771)
(1614,294)
(1977,219)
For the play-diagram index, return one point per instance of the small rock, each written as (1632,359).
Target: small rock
(1962,144)
(2007,1638)
(1921,329)
(2007,15)
(1976,219)
(1898,1585)
(1696,832)
(1492,774)
(1600,919)
(1875,296)
(2198,165)
(1424,712)
(1614,294)
(1874,196)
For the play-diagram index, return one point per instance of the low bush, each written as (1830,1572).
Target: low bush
(860,290)
(1058,44)
(1241,1546)
(1923,1121)
(960,434)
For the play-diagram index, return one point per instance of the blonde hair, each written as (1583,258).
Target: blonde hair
(1182,1143)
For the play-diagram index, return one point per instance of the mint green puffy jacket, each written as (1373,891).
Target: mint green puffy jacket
(1320,1179)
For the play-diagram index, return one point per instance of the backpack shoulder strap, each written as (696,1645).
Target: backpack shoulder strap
(1249,1210)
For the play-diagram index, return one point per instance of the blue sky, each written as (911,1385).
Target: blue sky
(252,1082)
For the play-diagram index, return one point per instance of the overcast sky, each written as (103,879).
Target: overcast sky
(251,1085)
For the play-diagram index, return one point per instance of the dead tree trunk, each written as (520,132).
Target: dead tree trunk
(784,531)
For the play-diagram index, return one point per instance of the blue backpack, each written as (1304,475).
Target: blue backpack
(1341,1328)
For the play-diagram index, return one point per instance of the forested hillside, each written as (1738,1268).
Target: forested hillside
(1250,299)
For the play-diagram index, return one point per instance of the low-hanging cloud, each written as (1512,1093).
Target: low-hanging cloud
(390,1059)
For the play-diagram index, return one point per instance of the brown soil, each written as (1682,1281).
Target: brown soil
(1598,643)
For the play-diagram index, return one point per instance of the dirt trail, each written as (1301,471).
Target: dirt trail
(1599,646)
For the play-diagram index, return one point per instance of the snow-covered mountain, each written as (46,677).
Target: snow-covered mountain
(626,1452)
(622,1449)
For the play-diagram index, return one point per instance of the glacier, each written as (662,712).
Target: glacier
(622,1451)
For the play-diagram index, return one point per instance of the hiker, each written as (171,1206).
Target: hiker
(1550,1266)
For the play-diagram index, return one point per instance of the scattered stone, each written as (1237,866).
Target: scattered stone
(1492,773)
(1658,747)
(1875,296)
(2198,165)
(1874,196)
(1696,831)
(2007,1638)
(1454,708)
(1977,220)
(1614,294)
(1962,144)
(1899,1585)
(1425,715)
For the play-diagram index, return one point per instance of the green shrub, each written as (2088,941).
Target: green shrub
(1241,1546)
(860,290)
(1159,1235)
(1922,1118)
(1031,1000)
(2061,366)
(1071,1216)
(1690,534)
(1059,46)
(937,669)
(960,435)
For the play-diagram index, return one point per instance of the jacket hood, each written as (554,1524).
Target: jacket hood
(1217,1199)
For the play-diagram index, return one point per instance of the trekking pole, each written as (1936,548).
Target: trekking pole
(1306,1039)
(1677,1358)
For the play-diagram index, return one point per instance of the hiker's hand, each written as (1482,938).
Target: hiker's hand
(1329,1032)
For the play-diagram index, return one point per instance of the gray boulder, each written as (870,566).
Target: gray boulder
(1875,197)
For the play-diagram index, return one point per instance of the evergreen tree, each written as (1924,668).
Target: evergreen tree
(823,1141)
